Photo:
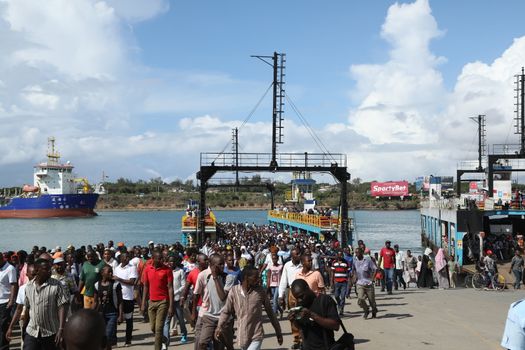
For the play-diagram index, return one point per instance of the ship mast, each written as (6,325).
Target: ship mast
(52,155)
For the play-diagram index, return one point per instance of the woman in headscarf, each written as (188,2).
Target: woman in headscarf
(442,269)
(426,278)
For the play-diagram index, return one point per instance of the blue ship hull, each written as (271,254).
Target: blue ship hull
(49,206)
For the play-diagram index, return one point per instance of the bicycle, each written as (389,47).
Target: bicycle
(481,280)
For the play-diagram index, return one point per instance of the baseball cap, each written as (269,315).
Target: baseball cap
(120,244)
(151,242)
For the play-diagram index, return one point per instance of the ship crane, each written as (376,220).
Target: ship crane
(86,187)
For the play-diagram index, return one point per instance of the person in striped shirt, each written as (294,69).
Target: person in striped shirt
(340,272)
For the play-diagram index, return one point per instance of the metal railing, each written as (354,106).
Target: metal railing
(324,222)
(506,149)
(450,203)
(283,159)
(471,164)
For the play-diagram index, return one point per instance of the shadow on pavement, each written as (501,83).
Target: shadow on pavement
(398,316)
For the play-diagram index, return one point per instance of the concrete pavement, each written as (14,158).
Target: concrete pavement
(412,319)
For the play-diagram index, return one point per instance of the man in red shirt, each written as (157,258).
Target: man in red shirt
(158,284)
(387,256)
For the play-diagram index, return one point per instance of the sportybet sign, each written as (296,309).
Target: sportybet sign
(389,189)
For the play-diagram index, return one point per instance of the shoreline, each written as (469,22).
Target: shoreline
(233,209)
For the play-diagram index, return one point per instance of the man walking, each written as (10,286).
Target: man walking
(90,275)
(516,267)
(45,300)
(244,301)
(340,271)
(364,270)
(290,270)
(158,284)
(8,292)
(210,285)
(127,275)
(317,319)
(399,268)
(312,277)
(387,256)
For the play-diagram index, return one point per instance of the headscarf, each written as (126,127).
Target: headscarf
(441,261)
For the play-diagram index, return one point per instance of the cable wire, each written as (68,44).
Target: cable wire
(307,126)
(246,119)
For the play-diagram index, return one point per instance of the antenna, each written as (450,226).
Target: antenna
(482,133)
(278,65)
(520,110)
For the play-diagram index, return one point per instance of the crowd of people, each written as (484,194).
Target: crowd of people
(210,289)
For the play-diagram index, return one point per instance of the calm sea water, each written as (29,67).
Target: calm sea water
(374,227)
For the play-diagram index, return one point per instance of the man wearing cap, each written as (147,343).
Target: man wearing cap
(66,278)
(387,256)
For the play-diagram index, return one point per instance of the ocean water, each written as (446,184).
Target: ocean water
(139,227)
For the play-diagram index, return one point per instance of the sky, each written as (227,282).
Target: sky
(139,88)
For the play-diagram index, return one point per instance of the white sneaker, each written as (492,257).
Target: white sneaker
(164,347)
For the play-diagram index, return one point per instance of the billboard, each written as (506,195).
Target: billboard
(419,183)
(389,189)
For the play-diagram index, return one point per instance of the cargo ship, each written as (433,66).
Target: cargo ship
(56,192)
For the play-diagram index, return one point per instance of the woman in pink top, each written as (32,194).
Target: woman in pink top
(273,276)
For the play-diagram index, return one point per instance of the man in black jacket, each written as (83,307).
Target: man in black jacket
(316,316)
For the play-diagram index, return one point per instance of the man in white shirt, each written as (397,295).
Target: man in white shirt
(514,334)
(126,274)
(400,267)
(8,292)
(290,270)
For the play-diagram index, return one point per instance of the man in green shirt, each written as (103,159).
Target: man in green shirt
(90,275)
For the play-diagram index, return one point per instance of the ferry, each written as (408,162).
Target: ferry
(320,223)
(190,224)
(56,192)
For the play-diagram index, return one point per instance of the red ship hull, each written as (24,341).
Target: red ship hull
(46,213)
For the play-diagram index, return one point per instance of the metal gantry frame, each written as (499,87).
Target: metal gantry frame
(213,163)
(207,171)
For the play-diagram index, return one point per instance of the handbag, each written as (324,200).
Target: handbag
(345,342)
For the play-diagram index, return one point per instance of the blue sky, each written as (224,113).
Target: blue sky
(138,88)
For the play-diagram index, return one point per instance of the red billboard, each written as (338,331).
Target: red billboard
(389,189)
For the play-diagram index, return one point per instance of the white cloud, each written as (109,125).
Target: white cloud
(68,69)
(404,102)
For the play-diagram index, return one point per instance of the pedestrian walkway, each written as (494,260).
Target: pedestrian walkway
(412,319)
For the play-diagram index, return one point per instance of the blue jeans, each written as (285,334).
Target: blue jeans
(180,317)
(111,327)
(275,300)
(340,290)
(517,275)
(389,277)
(254,345)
